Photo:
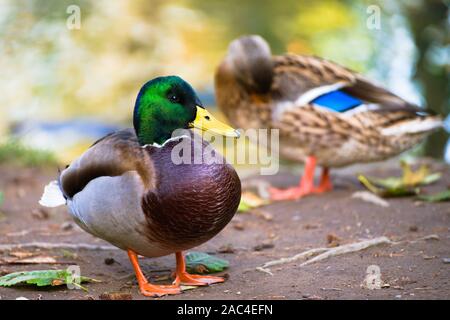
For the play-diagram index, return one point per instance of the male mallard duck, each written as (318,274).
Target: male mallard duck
(326,114)
(127,190)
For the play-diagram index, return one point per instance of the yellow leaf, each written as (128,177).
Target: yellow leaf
(249,200)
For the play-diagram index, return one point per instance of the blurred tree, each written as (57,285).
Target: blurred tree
(328,28)
(430,29)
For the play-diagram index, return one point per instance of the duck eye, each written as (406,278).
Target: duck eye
(174,98)
(207,118)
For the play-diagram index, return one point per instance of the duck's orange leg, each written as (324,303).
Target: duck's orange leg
(146,288)
(325,182)
(182,277)
(306,185)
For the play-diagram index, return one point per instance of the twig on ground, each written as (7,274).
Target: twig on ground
(370,197)
(264,270)
(324,253)
(302,255)
(49,245)
(347,248)
(428,237)
(330,289)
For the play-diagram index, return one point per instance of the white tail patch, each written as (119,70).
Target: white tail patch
(52,197)
(414,126)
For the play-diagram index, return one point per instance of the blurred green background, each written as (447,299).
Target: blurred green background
(61,88)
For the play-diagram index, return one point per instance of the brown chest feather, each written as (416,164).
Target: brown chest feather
(191,202)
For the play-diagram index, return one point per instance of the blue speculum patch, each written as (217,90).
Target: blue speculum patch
(337,101)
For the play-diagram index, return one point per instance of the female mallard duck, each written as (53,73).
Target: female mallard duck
(127,190)
(325,113)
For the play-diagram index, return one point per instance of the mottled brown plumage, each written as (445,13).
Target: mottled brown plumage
(257,90)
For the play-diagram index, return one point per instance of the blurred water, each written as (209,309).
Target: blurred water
(67,139)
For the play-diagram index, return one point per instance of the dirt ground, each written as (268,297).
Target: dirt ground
(410,270)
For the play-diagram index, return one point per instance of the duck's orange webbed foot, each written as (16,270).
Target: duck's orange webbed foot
(146,288)
(305,187)
(151,290)
(293,193)
(196,280)
(182,277)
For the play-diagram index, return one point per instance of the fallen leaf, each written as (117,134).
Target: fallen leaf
(200,262)
(400,191)
(436,197)
(57,282)
(333,240)
(249,200)
(21,254)
(405,185)
(32,260)
(184,288)
(42,278)
(420,177)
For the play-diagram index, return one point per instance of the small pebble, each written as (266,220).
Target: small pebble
(446,260)
(66,226)
(238,226)
(40,214)
(115,296)
(226,249)
(263,246)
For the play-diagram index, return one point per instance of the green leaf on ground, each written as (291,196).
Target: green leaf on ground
(436,197)
(405,185)
(43,278)
(200,262)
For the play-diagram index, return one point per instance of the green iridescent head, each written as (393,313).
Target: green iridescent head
(165,104)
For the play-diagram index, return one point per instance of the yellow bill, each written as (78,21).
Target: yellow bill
(206,122)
